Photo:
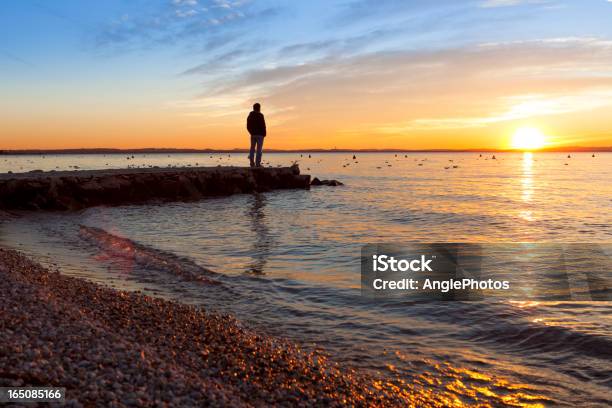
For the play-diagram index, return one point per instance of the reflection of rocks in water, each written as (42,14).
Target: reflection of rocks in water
(133,253)
(263,240)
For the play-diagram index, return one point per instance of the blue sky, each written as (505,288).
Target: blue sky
(198,64)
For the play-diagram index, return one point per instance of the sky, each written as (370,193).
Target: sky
(355,74)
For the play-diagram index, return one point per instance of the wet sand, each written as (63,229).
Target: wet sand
(114,348)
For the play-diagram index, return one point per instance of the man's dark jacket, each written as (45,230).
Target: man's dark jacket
(256,124)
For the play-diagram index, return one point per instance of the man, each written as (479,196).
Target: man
(256,125)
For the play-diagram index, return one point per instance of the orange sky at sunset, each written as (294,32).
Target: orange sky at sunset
(365,83)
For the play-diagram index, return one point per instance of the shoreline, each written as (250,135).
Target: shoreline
(162,150)
(115,347)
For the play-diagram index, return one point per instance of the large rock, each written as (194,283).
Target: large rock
(73,190)
(317,182)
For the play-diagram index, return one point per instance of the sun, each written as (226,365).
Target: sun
(528,138)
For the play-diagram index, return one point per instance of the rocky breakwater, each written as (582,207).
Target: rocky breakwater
(74,190)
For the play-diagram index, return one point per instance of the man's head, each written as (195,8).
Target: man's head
(257,107)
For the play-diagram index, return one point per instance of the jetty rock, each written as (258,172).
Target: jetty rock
(317,182)
(75,190)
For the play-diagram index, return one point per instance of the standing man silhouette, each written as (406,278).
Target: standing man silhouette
(256,125)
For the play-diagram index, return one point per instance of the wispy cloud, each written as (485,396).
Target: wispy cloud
(15,58)
(507,3)
(397,92)
(518,107)
(418,69)
(182,22)
(356,10)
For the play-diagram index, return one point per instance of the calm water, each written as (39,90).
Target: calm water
(288,262)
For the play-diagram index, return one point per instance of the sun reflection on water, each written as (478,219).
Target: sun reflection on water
(444,384)
(527,186)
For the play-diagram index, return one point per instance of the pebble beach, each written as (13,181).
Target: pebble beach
(117,348)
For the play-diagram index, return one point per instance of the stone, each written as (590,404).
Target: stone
(81,189)
(333,183)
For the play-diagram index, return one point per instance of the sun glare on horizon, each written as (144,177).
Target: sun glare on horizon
(528,138)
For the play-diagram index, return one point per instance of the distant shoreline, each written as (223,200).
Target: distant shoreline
(571,149)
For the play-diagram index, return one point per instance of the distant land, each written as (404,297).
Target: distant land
(151,150)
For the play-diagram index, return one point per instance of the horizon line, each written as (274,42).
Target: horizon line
(153,150)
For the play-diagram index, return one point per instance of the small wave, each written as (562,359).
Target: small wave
(146,257)
(544,338)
